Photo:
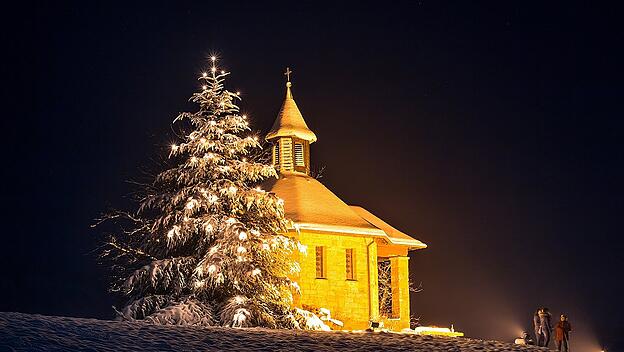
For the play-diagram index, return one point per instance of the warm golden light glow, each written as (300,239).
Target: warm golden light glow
(436,331)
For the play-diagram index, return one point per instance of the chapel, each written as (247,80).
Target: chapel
(355,265)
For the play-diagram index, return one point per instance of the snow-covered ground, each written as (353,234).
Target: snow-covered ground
(27,332)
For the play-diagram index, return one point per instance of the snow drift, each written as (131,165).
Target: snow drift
(26,332)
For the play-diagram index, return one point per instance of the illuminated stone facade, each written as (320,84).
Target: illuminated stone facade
(353,301)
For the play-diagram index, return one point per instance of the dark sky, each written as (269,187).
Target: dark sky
(491,131)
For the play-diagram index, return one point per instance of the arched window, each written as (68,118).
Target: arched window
(320,263)
(350,263)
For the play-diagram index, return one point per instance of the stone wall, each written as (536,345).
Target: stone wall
(354,302)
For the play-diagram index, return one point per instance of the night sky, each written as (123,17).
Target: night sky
(491,131)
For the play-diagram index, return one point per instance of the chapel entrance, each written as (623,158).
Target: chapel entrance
(384,272)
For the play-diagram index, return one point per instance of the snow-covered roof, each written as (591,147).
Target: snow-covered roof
(395,236)
(290,122)
(312,206)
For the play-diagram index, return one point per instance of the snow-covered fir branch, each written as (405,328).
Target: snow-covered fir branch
(205,244)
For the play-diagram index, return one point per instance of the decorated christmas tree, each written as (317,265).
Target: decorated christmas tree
(205,244)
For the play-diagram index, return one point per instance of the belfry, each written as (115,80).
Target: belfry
(291,137)
(356,264)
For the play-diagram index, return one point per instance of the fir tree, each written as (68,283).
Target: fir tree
(205,245)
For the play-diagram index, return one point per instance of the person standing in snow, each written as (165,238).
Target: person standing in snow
(562,334)
(545,327)
(536,326)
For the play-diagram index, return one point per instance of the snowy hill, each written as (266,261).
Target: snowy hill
(26,332)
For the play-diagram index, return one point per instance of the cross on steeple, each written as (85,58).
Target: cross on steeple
(287,74)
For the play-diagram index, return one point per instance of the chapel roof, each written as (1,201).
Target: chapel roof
(312,206)
(396,236)
(290,122)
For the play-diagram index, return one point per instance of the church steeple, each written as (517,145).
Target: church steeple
(290,136)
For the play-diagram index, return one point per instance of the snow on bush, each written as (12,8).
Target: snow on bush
(143,307)
(325,315)
(311,320)
(189,312)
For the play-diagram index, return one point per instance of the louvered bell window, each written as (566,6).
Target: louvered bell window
(286,154)
(276,152)
(299,161)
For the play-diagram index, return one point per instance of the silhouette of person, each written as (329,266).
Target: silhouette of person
(562,334)
(545,327)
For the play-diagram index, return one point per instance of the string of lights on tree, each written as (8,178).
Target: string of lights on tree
(206,245)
